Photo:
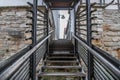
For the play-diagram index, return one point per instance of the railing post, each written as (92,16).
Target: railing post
(90,56)
(101,3)
(47,30)
(118,5)
(34,36)
(47,25)
(75,44)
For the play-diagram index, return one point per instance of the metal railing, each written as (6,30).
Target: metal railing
(41,22)
(22,65)
(104,68)
(100,65)
(81,21)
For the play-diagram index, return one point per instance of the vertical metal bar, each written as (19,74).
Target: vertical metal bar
(45,22)
(75,46)
(90,56)
(34,23)
(69,35)
(118,5)
(100,2)
(79,26)
(69,32)
(33,56)
(47,16)
(75,31)
(81,2)
(46,34)
(103,2)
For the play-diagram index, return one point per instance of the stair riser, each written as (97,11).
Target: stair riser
(61,55)
(61,59)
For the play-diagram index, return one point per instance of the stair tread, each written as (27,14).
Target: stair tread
(77,74)
(75,67)
(62,54)
(57,61)
(61,57)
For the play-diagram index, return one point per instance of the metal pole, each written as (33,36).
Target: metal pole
(69,29)
(75,31)
(81,2)
(101,2)
(34,22)
(90,56)
(75,44)
(34,38)
(118,5)
(47,25)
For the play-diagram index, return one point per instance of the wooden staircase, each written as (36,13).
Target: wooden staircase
(61,62)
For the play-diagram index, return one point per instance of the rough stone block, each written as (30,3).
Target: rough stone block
(21,13)
(28,42)
(23,25)
(114,27)
(114,53)
(2,22)
(17,34)
(22,46)
(109,33)
(111,44)
(11,42)
(116,39)
(7,13)
(115,47)
(107,39)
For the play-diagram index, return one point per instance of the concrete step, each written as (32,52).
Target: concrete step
(61,61)
(61,55)
(61,58)
(62,74)
(61,67)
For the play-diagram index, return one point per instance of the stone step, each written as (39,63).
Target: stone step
(61,58)
(62,54)
(62,74)
(61,61)
(61,67)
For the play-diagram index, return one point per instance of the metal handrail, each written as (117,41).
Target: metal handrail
(51,31)
(10,70)
(109,3)
(10,61)
(115,70)
(106,55)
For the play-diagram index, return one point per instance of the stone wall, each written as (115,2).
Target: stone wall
(105,31)
(109,32)
(12,30)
